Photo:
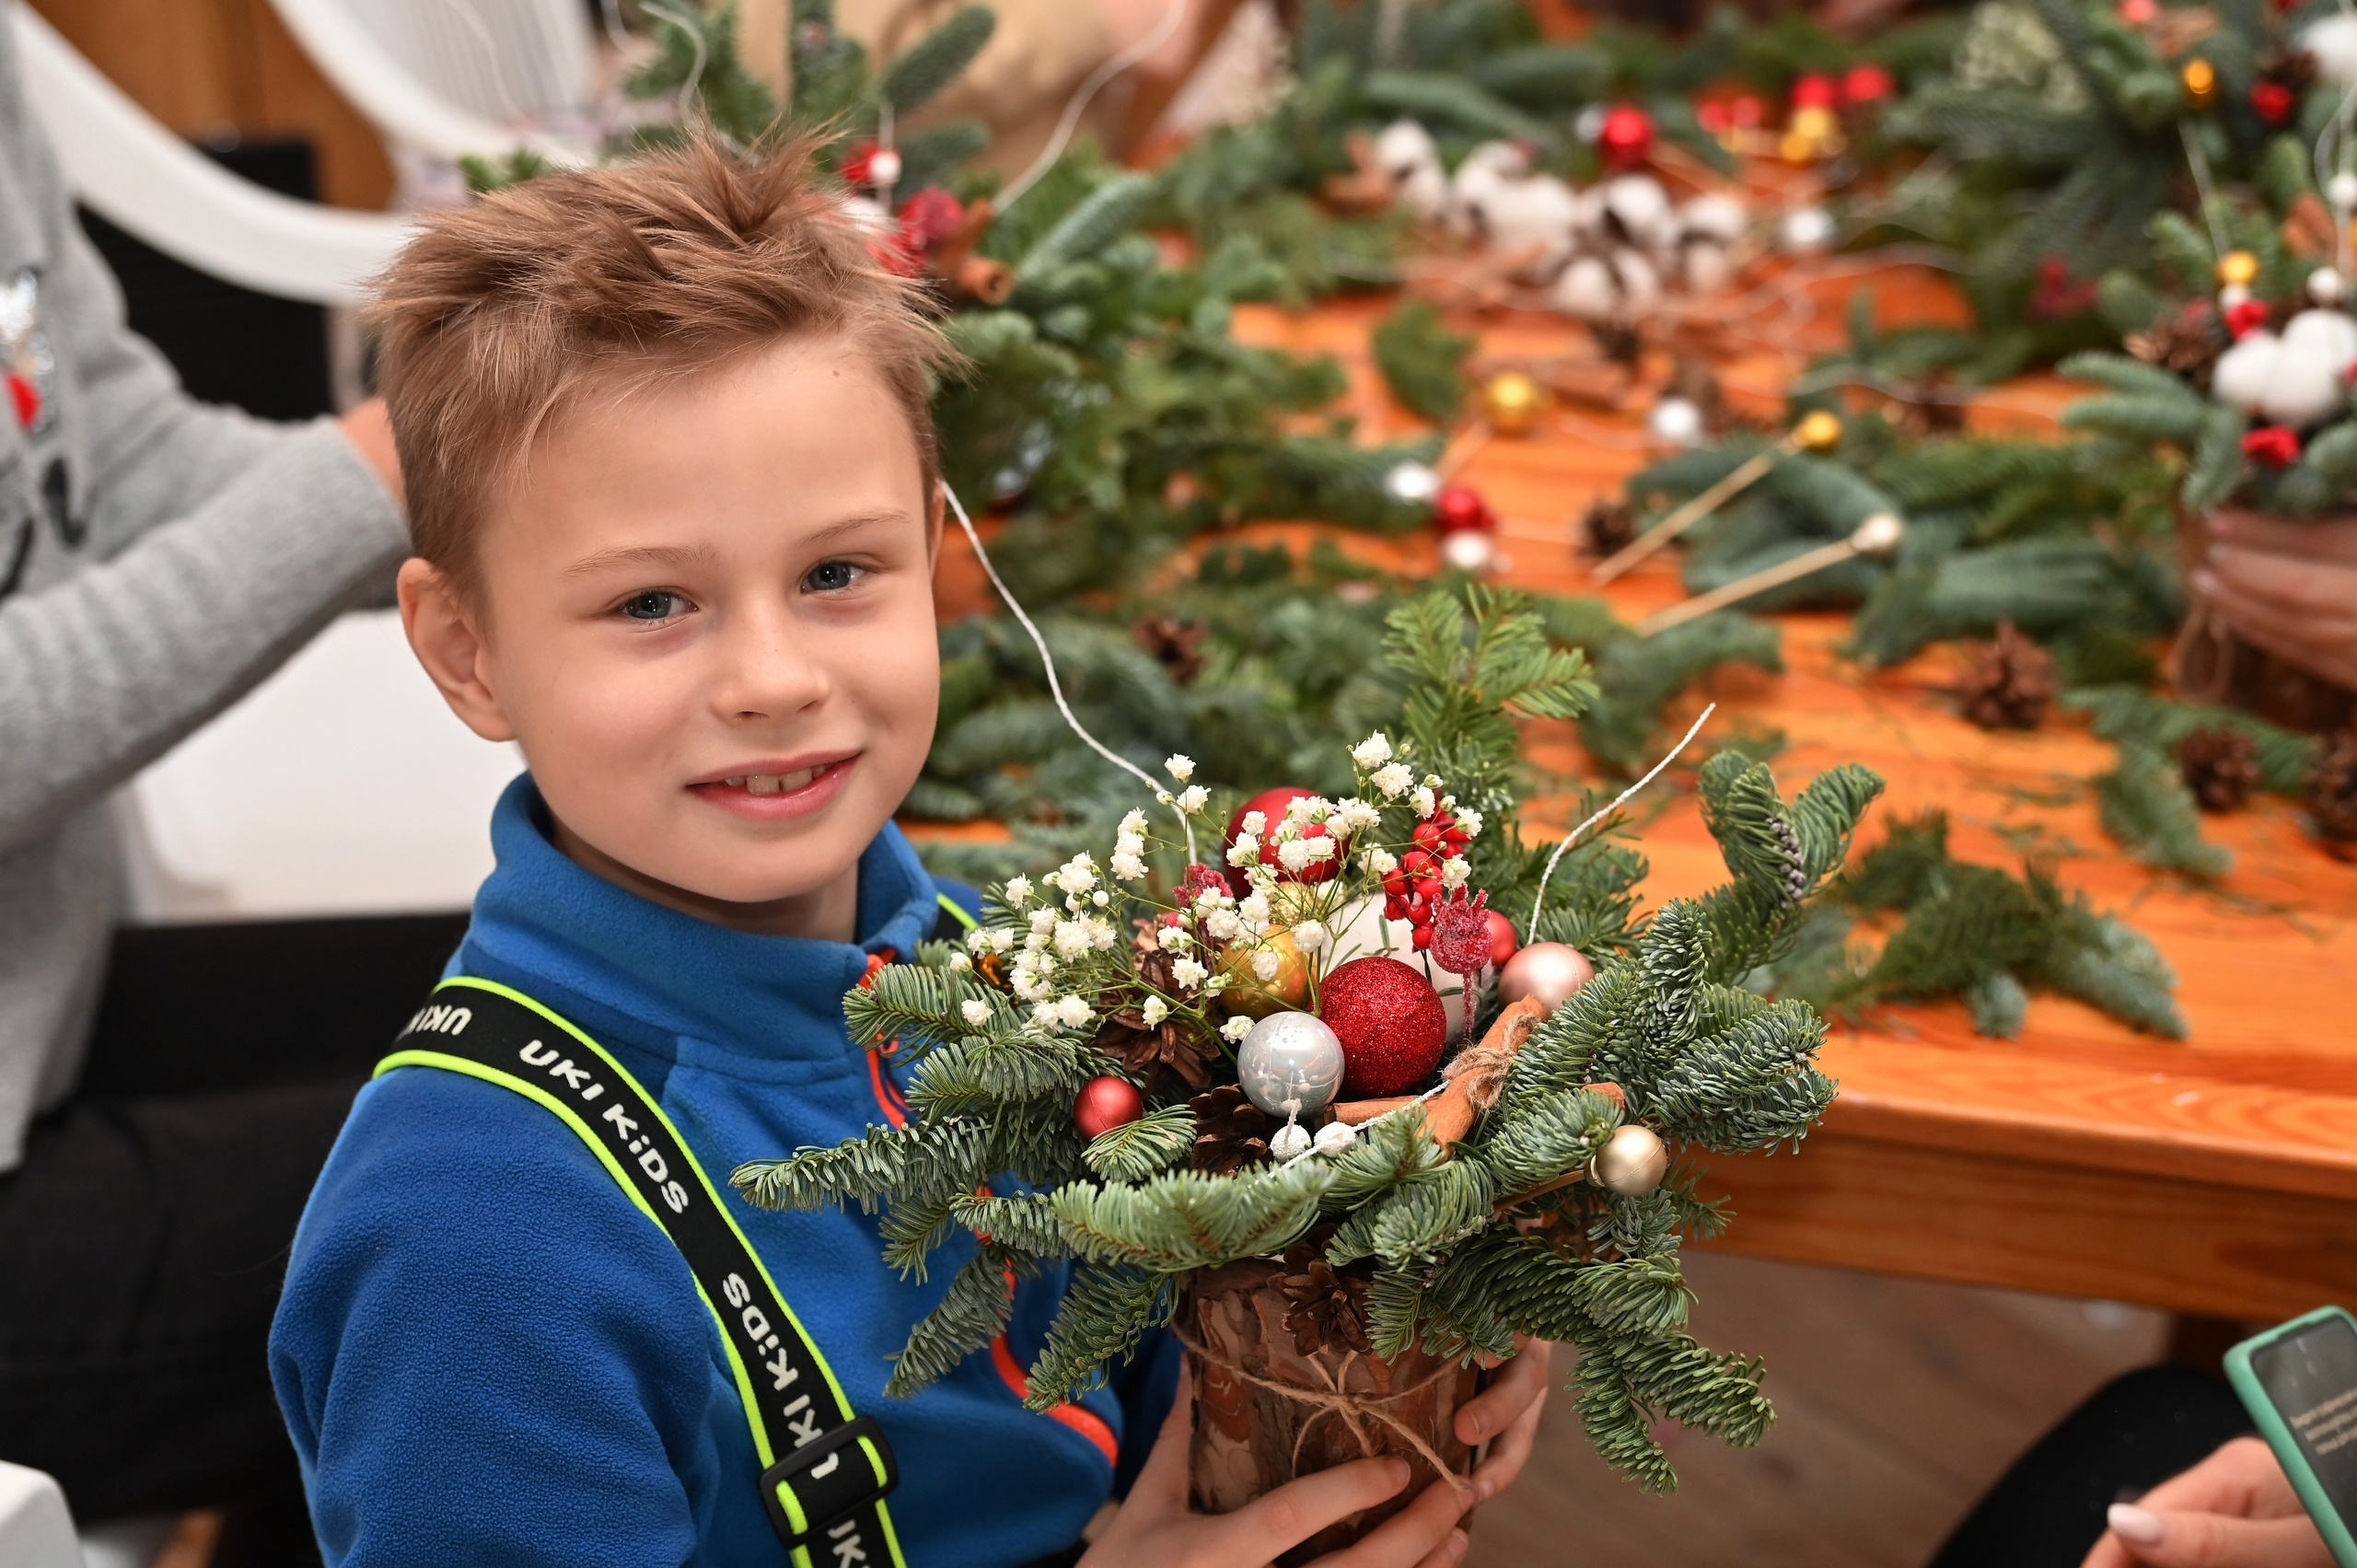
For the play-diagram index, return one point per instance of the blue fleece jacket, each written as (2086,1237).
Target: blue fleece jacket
(486,1354)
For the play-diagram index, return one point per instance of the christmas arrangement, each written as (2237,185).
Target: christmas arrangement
(1354,1093)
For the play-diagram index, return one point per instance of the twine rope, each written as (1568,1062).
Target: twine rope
(1483,1067)
(1352,1410)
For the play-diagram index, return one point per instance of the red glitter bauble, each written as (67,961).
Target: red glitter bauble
(1626,136)
(1272,804)
(1106,1103)
(1391,1024)
(1460,507)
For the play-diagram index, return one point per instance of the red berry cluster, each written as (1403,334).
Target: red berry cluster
(1412,889)
(2276,446)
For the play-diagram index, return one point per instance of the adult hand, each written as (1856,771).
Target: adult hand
(2235,1509)
(1155,1527)
(2289,588)
(1506,1416)
(370,431)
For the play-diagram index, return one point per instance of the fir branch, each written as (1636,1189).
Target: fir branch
(882,1161)
(970,1314)
(1027,1222)
(1423,362)
(1145,1147)
(1105,1311)
(937,59)
(1183,1220)
(2144,803)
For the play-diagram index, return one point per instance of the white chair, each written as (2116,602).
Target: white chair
(36,1531)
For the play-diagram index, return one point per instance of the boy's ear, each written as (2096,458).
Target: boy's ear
(444,635)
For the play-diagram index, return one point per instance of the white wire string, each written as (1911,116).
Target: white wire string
(1617,801)
(1164,32)
(2199,163)
(1055,687)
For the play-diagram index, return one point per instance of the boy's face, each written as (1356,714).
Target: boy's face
(706,614)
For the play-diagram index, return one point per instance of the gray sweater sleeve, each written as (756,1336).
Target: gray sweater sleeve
(223,543)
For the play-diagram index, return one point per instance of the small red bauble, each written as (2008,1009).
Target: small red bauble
(1391,1024)
(25,397)
(2274,101)
(1272,804)
(2245,317)
(1106,1103)
(1504,943)
(2276,446)
(1626,137)
(1867,83)
(1814,91)
(1459,508)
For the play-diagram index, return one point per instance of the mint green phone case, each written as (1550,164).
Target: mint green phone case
(2334,1417)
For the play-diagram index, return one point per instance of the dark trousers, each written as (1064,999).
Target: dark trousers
(144,1239)
(2133,1433)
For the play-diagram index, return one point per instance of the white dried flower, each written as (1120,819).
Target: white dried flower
(1234,1029)
(978,938)
(1132,825)
(1156,1010)
(1265,965)
(1392,780)
(1422,800)
(1374,751)
(1073,1012)
(1243,850)
(1101,934)
(1175,939)
(1044,963)
(1018,890)
(1179,767)
(1029,986)
(1043,919)
(1293,853)
(1308,809)
(1380,862)
(1223,926)
(1072,938)
(1192,798)
(1319,849)
(1311,937)
(1214,898)
(959,963)
(977,1012)
(1254,910)
(1187,973)
(1100,897)
(1354,815)
(1255,822)
(1077,874)
(1469,823)
(1000,939)
(1454,871)
(1043,1016)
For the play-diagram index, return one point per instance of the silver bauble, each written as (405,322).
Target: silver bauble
(1290,1064)
(1548,971)
(1631,1163)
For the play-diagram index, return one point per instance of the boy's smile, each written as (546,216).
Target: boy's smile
(704,606)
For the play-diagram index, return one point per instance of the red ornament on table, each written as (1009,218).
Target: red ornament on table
(1459,508)
(1867,83)
(1106,1103)
(1816,90)
(1626,137)
(1272,804)
(1391,1022)
(872,165)
(2273,101)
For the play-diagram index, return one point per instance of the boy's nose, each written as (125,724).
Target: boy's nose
(768,674)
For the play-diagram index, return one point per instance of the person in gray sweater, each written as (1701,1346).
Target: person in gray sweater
(157,558)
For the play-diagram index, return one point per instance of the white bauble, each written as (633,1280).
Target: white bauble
(1413,483)
(1423,194)
(2333,42)
(1640,283)
(1641,206)
(1468,550)
(1360,931)
(2309,385)
(1290,1065)
(1586,290)
(2241,376)
(1402,147)
(1678,421)
(2341,191)
(1714,216)
(1704,266)
(1806,230)
(2327,287)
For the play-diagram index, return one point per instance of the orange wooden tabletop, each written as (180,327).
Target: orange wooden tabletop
(2217,1175)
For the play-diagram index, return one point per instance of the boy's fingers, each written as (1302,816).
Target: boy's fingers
(2312,541)
(1411,1537)
(2172,1538)
(1522,1384)
(1162,1480)
(1448,1553)
(1299,1509)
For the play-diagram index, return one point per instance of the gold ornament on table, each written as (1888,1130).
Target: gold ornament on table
(2238,269)
(1512,402)
(1813,136)
(1816,432)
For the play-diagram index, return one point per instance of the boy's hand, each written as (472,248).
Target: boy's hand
(2290,587)
(1155,1528)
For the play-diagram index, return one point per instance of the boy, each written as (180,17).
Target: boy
(675,506)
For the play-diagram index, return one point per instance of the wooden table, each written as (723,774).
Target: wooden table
(2216,1175)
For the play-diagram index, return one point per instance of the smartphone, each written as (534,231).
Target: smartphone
(2300,1383)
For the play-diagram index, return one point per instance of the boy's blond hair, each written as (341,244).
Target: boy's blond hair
(592,282)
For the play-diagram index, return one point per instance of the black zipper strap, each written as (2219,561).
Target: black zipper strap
(826,1469)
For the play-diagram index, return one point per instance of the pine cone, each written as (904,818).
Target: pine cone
(1608,528)
(2332,785)
(1231,1133)
(2186,343)
(1175,645)
(2287,63)
(2220,765)
(1166,1054)
(1323,1305)
(2007,683)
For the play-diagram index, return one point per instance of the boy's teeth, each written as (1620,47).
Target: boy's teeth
(777,784)
(736,782)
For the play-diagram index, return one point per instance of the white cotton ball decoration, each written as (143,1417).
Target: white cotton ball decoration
(1468,550)
(1714,216)
(2327,287)
(1413,483)
(2341,191)
(1521,214)
(2309,384)
(2241,376)
(1587,213)
(1705,266)
(1423,193)
(1678,421)
(1586,290)
(2333,42)
(1402,147)
(1807,230)
(1640,283)
(1642,207)
(1289,1142)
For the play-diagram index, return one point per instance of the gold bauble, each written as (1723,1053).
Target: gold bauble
(1815,121)
(2200,79)
(1248,994)
(1818,432)
(1632,1164)
(2238,269)
(1513,402)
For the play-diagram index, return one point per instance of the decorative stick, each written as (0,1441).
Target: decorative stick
(1878,535)
(1816,432)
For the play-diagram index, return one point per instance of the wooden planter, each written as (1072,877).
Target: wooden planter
(1252,1438)
(2211,664)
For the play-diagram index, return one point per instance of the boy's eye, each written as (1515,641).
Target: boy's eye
(654,604)
(832,578)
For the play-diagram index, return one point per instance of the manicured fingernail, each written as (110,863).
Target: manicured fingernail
(2140,1525)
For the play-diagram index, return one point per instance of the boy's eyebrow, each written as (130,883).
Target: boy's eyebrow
(681,555)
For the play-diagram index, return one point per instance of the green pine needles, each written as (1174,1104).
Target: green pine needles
(1461,1247)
